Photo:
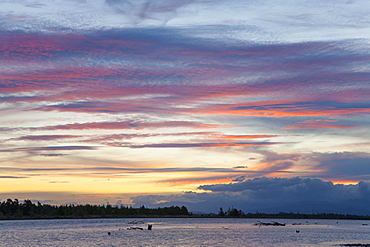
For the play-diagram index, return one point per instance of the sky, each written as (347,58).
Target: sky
(259,105)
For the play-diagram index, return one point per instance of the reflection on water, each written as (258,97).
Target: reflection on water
(182,232)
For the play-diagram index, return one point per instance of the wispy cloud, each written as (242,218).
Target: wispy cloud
(45,137)
(57,148)
(189,145)
(128,125)
(131,89)
(11,177)
(319,124)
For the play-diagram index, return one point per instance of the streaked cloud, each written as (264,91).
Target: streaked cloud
(164,96)
(319,124)
(57,148)
(11,177)
(128,125)
(45,137)
(189,145)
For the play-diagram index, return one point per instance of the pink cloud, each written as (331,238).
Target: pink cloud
(129,125)
(202,145)
(282,108)
(45,137)
(55,148)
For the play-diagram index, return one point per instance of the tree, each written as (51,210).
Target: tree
(233,212)
(221,212)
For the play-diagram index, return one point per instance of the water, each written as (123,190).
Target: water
(182,232)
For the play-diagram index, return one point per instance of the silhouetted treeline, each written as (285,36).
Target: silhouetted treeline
(307,216)
(233,212)
(15,209)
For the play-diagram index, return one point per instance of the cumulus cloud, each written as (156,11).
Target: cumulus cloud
(272,195)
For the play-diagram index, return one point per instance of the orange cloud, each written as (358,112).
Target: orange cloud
(196,145)
(197,180)
(247,136)
(280,108)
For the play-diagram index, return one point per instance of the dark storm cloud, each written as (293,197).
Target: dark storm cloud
(352,166)
(272,194)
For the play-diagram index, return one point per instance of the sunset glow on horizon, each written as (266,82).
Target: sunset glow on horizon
(146,102)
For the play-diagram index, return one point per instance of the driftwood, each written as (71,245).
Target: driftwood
(270,224)
(134,228)
(354,245)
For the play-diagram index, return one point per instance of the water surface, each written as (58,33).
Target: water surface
(182,232)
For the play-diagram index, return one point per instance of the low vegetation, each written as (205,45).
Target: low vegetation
(13,209)
(233,212)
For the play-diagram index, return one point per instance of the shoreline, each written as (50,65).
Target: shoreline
(317,217)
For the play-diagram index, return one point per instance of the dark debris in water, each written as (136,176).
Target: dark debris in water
(354,245)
